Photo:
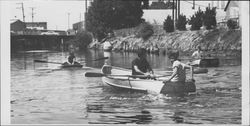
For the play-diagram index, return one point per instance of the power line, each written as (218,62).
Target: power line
(199,4)
(195,4)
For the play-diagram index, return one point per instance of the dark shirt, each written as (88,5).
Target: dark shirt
(70,58)
(142,65)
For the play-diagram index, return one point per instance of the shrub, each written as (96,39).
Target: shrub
(196,20)
(181,22)
(168,24)
(145,30)
(83,39)
(209,18)
(231,24)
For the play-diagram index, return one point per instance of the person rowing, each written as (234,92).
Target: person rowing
(140,65)
(179,69)
(198,54)
(178,78)
(196,57)
(71,58)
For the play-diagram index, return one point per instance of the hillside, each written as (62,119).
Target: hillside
(218,40)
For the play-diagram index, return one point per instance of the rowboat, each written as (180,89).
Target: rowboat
(75,65)
(121,78)
(208,62)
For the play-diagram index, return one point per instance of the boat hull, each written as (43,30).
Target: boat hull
(145,85)
(75,65)
(206,62)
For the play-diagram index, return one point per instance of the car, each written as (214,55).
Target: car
(49,33)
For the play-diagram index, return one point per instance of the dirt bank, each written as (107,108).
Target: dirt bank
(219,40)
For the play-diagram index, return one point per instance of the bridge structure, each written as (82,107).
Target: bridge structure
(31,42)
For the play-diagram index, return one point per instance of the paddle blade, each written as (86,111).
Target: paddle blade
(103,58)
(200,71)
(92,74)
(41,61)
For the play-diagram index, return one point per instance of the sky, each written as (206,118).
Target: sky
(55,12)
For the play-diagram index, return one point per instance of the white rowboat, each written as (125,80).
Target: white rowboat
(116,77)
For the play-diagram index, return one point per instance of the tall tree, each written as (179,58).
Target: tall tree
(196,20)
(145,4)
(210,18)
(106,15)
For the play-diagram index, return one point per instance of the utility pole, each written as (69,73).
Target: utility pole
(193,5)
(86,6)
(176,17)
(68,19)
(22,11)
(179,7)
(80,17)
(173,13)
(32,13)
(86,11)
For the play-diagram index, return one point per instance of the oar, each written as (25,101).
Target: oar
(93,74)
(42,61)
(103,58)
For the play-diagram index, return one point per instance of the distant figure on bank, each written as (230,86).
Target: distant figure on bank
(107,45)
(197,54)
(140,65)
(179,69)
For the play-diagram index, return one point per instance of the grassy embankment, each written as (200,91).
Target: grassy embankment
(220,41)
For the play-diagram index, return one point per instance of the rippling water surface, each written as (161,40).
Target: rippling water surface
(43,93)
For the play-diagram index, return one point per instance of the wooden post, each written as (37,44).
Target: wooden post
(192,73)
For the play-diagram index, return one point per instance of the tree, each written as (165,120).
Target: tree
(231,24)
(145,4)
(168,24)
(106,15)
(196,20)
(145,30)
(181,22)
(210,18)
(81,40)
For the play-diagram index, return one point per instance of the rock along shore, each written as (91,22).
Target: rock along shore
(221,41)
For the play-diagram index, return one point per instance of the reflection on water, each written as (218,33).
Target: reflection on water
(44,93)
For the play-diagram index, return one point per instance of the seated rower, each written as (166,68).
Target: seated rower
(72,59)
(196,57)
(178,78)
(140,65)
(179,70)
(197,54)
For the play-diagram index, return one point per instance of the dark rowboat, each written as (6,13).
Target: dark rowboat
(208,62)
(67,65)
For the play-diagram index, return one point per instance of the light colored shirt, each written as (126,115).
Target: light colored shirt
(180,71)
(197,54)
(107,45)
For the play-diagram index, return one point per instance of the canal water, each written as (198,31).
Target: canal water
(44,93)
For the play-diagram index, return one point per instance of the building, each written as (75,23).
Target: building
(17,26)
(36,25)
(224,10)
(71,32)
(78,26)
(232,10)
